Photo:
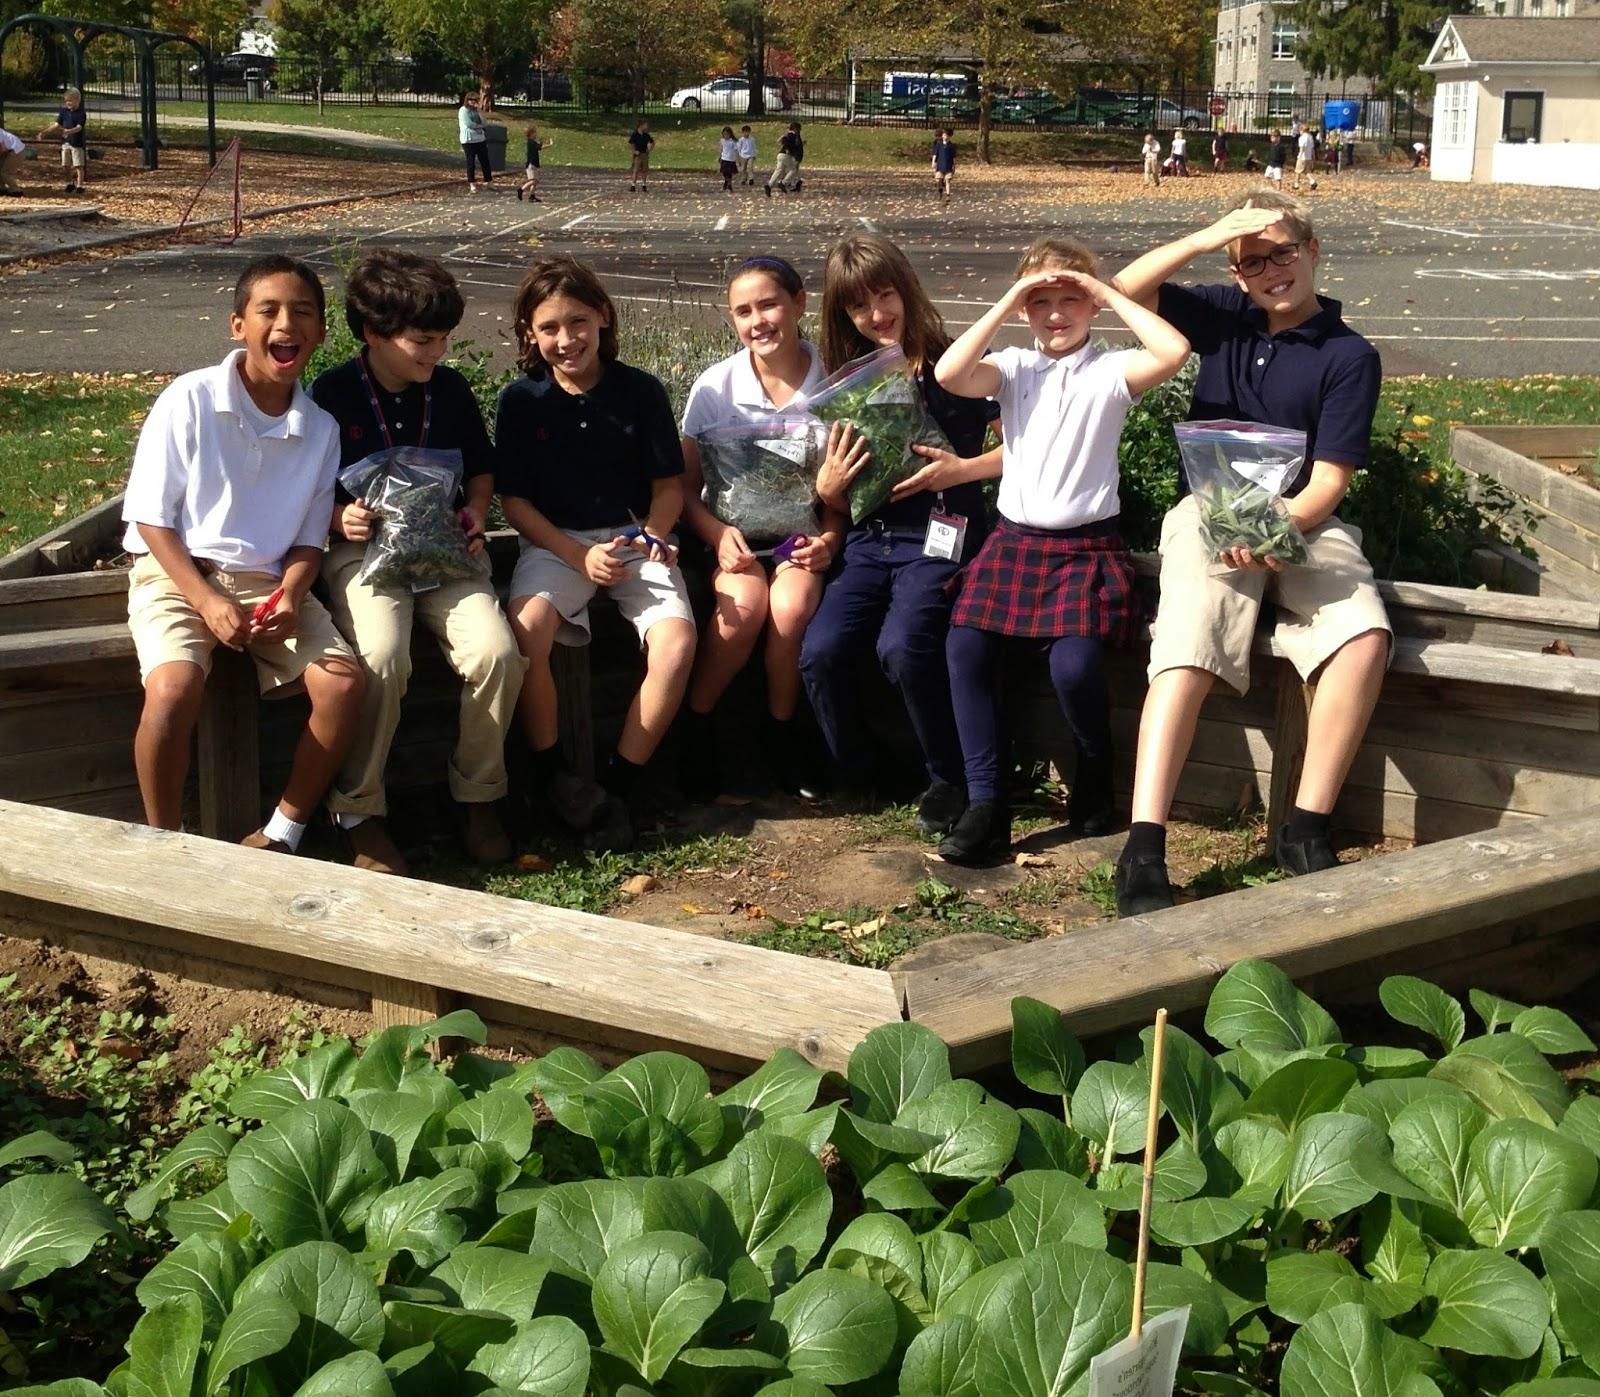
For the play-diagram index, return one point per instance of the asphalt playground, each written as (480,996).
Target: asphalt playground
(1460,280)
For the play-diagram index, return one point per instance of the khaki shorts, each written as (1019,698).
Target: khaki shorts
(649,591)
(1207,619)
(166,628)
(1302,163)
(73,157)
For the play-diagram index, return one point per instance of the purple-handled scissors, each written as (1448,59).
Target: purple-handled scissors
(639,531)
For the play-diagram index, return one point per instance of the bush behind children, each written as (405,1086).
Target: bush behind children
(233,511)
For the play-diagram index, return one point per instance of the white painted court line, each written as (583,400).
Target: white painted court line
(1498,230)
(1518,274)
(372,237)
(868,224)
(574,222)
(1490,339)
(720,224)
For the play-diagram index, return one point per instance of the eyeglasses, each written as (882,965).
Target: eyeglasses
(1284,256)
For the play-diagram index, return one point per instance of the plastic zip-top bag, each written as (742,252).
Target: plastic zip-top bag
(878,395)
(418,542)
(761,476)
(1238,472)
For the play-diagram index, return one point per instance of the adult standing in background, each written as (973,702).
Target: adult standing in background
(474,140)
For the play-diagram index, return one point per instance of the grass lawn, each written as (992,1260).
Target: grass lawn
(684,141)
(65,441)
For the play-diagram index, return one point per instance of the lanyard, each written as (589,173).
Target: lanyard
(377,411)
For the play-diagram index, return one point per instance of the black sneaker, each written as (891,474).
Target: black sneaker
(981,835)
(939,807)
(768,189)
(1297,856)
(1142,885)
(613,831)
(575,800)
(519,193)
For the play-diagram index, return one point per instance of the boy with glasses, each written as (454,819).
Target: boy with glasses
(1274,352)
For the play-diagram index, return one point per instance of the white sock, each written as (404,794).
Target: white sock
(282,830)
(345,820)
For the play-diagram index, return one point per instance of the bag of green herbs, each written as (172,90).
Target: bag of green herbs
(1238,472)
(761,476)
(418,541)
(878,395)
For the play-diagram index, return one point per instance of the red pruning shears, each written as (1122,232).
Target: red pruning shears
(258,617)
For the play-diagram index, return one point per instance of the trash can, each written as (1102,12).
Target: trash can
(254,84)
(494,133)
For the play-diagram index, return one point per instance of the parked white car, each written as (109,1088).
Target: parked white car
(729,95)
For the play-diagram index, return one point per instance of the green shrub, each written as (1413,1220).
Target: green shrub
(1340,1220)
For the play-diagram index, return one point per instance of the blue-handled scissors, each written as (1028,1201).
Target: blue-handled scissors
(639,531)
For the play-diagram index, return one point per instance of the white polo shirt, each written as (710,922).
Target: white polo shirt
(10,144)
(729,392)
(1063,421)
(242,488)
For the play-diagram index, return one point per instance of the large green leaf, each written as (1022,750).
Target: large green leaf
(1047,1142)
(577,1225)
(354,1375)
(1301,1284)
(396,1052)
(1421,1005)
(1395,1254)
(1256,1005)
(1507,1076)
(783,1087)
(456,1334)
(667,1085)
(420,1217)
(1570,1249)
(1327,1172)
(1495,1012)
(256,1329)
(209,1142)
(47,1221)
(36,1144)
(1044,1321)
(868,1147)
(1196,1092)
(1346,1352)
(893,1066)
(1433,1144)
(1551,1031)
(1300,1089)
(1248,1160)
(884,1236)
(1195,1222)
(651,1297)
(831,1327)
(1179,1173)
(209,1267)
(694,1207)
(548,1356)
(1112,1106)
(977,1135)
(1520,1175)
(780,1202)
(949,1261)
(1555,1387)
(489,1278)
(1383,1100)
(322,1074)
(942,1361)
(1033,1209)
(396,1122)
(501,1118)
(66,1387)
(1486,1304)
(309,1174)
(337,1302)
(1171,1287)
(1582,1123)
(210,1212)
(1044,1056)
(562,1076)
(164,1348)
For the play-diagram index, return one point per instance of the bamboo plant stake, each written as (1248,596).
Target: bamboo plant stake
(1158,1055)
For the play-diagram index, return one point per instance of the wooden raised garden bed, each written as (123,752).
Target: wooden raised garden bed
(1556,470)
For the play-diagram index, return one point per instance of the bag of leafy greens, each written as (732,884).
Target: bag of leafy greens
(418,541)
(1238,472)
(879,397)
(761,476)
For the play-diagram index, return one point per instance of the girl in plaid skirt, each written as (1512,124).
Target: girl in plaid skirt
(1055,572)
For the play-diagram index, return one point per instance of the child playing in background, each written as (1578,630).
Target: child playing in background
(71,124)
(227,508)
(1277,158)
(747,155)
(728,158)
(1180,152)
(591,476)
(529,187)
(1151,151)
(1219,152)
(791,151)
(944,161)
(639,143)
(1055,572)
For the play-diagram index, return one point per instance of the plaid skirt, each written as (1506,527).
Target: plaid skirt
(1042,584)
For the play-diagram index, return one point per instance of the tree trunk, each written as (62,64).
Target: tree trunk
(755,66)
(484,72)
(985,120)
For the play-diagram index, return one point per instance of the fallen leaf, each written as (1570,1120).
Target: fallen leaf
(754,911)
(690,910)
(532,863)
(836,926)
(867,928)
(638,885)
(1557,647)
(1032,861)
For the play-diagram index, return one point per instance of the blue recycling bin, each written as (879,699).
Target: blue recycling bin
(1341,115)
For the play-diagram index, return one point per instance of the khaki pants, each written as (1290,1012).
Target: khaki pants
(11,163)
(477,642)
(785,171)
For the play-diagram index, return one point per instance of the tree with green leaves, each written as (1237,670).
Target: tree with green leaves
(479,32)
(215,23)
(1382,40)
(629,46)
(322,37)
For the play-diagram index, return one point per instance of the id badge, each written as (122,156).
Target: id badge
(947,534)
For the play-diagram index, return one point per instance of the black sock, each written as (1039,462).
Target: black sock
(622,776)
(1307,824)
(1145,837)
(545,765)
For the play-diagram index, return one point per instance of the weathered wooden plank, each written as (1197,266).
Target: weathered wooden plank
(53,722)
(1422,694)
(1115,975)
(1465,780)
(83,537)
(1288,745)
(228,750)
(34,649)
(1510,461)
(77,586)
(1516,743)
(94,765)
(1502,606)
(623,979)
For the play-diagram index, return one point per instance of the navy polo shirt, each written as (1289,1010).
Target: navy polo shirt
(586,460)
(966,422)
(1320,378)
(452,414)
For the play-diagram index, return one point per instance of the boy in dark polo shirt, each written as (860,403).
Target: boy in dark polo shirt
(404,308)
(1274,352)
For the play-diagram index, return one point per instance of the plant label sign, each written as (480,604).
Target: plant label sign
(1142,1367)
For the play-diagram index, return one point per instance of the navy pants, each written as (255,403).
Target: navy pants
(886,596)
(477,151)
(1077,673)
